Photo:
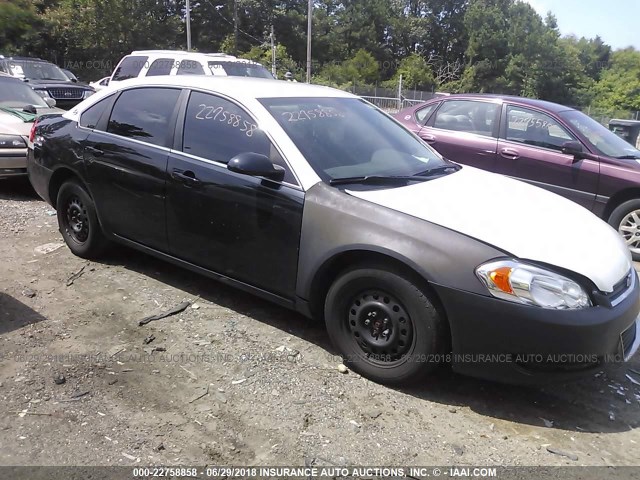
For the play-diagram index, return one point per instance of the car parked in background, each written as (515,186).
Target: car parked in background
(100,84)
(318,201)
(19,106)
(48,80)
(548,145)
(152,63)
(70,75)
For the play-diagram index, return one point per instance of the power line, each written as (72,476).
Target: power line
(233,24)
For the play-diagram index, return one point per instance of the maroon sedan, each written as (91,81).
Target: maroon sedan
(546,144)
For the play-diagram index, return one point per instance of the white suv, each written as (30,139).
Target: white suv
(149,63)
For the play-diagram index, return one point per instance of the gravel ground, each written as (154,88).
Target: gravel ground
(235,380)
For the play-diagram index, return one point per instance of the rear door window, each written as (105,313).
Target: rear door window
(145,114)
(130,67)
(467,116)
(160,66)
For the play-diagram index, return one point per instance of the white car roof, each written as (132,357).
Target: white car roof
(239,88)
(203,56)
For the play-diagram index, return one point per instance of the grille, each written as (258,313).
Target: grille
(66,93)
(627,338)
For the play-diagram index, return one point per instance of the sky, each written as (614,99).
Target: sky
(616,21)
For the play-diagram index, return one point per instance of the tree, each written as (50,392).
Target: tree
(416,74)
(19,23)
(619,87)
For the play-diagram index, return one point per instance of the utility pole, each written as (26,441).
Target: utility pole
(273,52)
(235,26)
(188,26)
(309,24)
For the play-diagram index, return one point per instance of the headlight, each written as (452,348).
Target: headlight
(12,141)
(87,93)
(522,283)
(43,93)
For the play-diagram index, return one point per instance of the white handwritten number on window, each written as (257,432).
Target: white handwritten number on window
(234,120)
(301,115)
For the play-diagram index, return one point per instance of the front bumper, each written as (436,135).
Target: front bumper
(508,342)
(13,162)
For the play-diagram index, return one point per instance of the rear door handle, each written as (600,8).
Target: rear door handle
(187,177)
(95,151)
(509,153)
(427,137)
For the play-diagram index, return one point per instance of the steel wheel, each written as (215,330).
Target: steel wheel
(77,220)
(629,228)
(384,326)
(380,326)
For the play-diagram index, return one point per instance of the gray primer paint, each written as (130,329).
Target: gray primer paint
(335,222)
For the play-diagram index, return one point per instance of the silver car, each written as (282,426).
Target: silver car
(19,107)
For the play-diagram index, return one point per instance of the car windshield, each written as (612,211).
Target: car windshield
(37,70)
(347,137)
(240,69)
(602,139)
(16,94)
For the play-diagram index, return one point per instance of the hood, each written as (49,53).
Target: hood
(526,221)
(13,125)
(58,83)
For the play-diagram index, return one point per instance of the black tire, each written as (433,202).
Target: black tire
(619,214)
(416,337)
(78,221)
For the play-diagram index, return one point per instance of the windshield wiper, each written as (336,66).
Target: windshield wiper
(439,170)
(628,157)
(377,179)
(385,179)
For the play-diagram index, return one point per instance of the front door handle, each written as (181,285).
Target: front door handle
(187,177)
(510,153)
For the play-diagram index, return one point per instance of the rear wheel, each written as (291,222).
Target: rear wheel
(626,220)
(78,221)
(384,326)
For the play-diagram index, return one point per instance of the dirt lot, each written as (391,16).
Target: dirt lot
(243,382)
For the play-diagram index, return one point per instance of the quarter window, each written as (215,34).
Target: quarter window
(130,67)
(467,116)
(423,114)
(535,128)
(160,66)
(91,116)
(218,130)
(144,114)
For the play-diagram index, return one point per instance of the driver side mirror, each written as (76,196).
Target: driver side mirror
(256,165)
(51,102)
(573,148)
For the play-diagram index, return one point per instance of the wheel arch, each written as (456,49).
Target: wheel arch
(618,199)
(58,178)
(338,262)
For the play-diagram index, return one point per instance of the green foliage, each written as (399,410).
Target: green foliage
(416,74)
(362,68)
(19,23)
(284,62)
(497,46)
(619,87)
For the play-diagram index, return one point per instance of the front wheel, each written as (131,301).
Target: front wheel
(626,220)
(384,326)
(78,221)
